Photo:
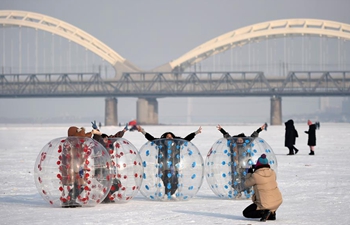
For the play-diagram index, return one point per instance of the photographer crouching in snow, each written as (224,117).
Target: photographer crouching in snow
(267,197)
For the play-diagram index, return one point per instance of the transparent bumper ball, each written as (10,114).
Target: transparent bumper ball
(73,172)
(173,170)
(228,161)
(127,170)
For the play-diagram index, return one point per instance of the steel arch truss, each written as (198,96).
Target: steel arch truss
(261,31)
(239,37)
(199,84)
(61,28)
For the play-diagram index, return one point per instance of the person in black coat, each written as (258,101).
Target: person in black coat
(168,158)
(311,142)
(290,137)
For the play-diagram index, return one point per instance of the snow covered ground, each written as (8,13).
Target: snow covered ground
(315,188)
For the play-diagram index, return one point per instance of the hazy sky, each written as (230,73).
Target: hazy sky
(150,33)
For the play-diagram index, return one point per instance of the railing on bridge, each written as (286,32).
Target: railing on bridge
(158,84)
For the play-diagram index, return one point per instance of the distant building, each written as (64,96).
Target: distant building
(324,104)
(346,106)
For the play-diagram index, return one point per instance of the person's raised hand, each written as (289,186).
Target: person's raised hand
(126,128)
(199,130)
(94,125)
(95,131)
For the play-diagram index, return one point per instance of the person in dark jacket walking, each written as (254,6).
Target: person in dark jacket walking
(290,137)
(169,158)
(311,142)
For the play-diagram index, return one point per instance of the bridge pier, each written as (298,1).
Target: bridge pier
(276,110)
(147,111)
(111,112)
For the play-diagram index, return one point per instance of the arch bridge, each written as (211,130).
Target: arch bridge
(236,38)
(170,79)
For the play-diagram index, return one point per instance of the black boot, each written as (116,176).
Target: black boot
(290,152)
(296,151)
(272,216)
(312,152)
(115,185)
(265,215)
(108,199)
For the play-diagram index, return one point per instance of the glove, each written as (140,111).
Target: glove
(126,127)
(94,125)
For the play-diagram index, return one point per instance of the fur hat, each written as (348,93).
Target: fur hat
(78,132)
(262,161)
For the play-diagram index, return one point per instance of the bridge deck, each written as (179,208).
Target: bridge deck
(158,84)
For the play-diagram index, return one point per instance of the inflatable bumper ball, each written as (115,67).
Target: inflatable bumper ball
(228,161)
(127,170)
(73,172)
(173,169)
